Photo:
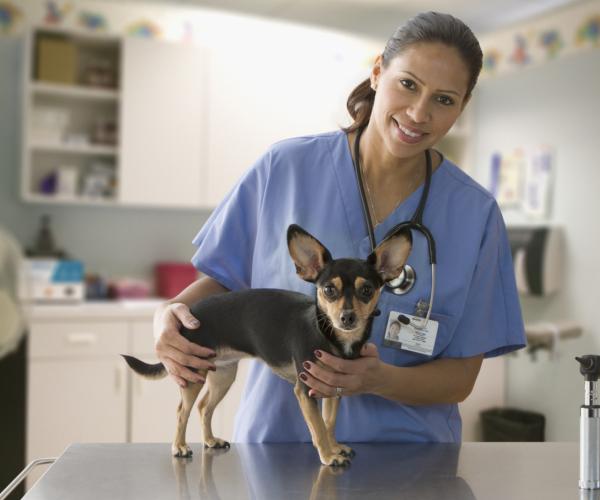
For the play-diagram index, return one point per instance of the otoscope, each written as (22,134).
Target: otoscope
(589,425)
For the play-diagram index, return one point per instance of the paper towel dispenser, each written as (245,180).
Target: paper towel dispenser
(537,258)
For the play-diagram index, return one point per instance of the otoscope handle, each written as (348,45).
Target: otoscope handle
(589,425)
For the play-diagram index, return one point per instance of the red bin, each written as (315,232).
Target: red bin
(173,277)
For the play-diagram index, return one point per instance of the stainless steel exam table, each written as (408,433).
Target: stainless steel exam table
(487,471)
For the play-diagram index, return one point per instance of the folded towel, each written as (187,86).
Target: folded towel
(12,321)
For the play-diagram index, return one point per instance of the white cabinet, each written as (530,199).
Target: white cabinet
(77,387)
(138,140)
(80,390)
(163,122)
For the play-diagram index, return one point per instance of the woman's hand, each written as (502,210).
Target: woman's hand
(180,356)
(353,376)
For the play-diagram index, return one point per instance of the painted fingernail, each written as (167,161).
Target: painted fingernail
(306,365)
(212,355)
(303,377)
(318,354)
(195,323)
(212,368)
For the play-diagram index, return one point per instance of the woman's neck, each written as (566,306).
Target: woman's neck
(381,167)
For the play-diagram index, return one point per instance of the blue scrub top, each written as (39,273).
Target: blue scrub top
(311,181)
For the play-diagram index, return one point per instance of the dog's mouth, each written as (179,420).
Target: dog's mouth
(355,327)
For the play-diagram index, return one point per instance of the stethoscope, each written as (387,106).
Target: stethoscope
(405,282)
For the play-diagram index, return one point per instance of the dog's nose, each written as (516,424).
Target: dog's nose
(348,319)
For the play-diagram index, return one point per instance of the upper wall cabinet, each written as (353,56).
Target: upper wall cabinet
(111,120)
(163,124)
(127,121)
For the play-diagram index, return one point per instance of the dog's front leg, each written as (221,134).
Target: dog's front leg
(317,428)
(330,410)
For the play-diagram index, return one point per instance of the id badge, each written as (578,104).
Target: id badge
(409,338)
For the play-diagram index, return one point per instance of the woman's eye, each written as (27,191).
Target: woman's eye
(445,100)
(409,84)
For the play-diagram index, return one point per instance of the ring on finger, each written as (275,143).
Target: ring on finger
(338,392)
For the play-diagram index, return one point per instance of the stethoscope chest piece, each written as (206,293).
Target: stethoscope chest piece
(403,283)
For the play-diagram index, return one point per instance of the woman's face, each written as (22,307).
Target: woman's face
(418,97)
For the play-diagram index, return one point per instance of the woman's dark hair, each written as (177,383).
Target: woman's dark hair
(424,27)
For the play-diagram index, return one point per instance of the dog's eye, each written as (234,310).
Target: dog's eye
(329,291)
(366,291)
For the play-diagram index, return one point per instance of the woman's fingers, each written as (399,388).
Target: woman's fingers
(182,358)
(318,387)
(184,315)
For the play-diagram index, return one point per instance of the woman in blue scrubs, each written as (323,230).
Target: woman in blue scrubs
(416,91)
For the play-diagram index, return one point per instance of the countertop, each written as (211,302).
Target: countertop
(482,471)
(131,308)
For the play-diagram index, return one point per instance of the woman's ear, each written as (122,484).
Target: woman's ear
(376,71)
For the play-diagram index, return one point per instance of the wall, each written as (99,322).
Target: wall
(558,104)
(127,241)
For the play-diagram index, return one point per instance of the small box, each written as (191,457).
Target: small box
(173,277)
(51,280)
(56,60)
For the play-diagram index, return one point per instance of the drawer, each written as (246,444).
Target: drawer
(76,339)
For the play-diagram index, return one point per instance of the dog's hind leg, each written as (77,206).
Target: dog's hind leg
(217,384)
(317,428)
(188,397)
(330,410)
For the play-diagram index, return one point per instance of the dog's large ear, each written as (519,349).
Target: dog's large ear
(308,253)
(391,254)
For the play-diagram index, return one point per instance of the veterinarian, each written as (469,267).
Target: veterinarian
(405,391)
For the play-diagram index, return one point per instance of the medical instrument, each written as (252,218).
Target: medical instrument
(589,425)
(405,282)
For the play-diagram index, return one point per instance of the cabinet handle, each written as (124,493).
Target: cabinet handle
(82,338)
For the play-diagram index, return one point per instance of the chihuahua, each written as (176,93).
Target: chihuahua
(284,328)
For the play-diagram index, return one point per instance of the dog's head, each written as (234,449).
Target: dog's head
(348,289)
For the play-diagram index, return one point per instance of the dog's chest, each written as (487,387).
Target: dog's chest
(286,372)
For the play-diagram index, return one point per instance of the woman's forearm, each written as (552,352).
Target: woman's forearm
(448,380)
(199,289)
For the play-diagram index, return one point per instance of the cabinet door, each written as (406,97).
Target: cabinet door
(154,402)
(73,401)
(162,124)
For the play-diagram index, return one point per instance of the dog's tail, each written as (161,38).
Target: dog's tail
(155,371)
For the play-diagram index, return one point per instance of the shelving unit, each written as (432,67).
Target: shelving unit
(71,105)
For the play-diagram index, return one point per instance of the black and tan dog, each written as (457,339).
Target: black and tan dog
(284,329)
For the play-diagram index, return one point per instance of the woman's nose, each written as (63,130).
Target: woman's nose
(418,111)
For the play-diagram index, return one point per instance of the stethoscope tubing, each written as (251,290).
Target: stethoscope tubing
(415,223)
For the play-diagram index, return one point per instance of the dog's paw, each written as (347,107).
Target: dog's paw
(216,443)
(343,450)
(181,450)
(335,461)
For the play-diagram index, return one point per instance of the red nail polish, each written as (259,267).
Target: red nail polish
(303,377)
(318,354)
(306,365)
